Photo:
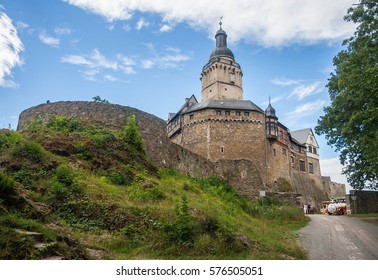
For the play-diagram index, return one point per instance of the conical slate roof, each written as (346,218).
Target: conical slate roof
(270,111)
(221,49)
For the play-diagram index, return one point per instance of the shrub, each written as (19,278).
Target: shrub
(6,184)
(132,137)
(28,149)
(8,139)
(63,123)
(24,175)
(121,176)
(181,229)
(64,182)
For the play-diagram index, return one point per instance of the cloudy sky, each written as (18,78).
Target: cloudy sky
(149,54)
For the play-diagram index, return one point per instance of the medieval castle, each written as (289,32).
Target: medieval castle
(223,135)
(225,126)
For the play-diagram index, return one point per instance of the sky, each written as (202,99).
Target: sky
(149,54)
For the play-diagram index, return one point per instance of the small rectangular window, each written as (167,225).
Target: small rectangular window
(302,165)
(191,116)
(238,113)
(246,114)
(314,151)
(310,168)
(222,150)
(274,152)
(219,112)
(284,151)
(227,113)
(310,149)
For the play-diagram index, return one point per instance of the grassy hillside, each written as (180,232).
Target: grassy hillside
(73,191)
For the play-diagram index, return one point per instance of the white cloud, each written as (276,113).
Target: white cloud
(75,59)
(21,25)
(49,40)
(148,63)
(269,23)
(307,109)
(141,23)
(63,31)
(165,28)
(300,89)
(95,64)
(10,48)
(126,27)
(303,91)
(168,58)
(285,82)
(100,61)
(110,78)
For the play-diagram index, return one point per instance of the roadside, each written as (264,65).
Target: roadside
(340,238)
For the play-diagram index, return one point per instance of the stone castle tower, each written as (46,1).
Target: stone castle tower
(223,125)
(222,77)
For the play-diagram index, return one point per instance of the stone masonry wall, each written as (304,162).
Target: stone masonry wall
(365,202)
(242,174)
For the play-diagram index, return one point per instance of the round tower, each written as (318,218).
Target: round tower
(222,77)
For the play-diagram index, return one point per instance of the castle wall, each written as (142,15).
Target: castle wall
(242,174)
(362,202)
(278,161)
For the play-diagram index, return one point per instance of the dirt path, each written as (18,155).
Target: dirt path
(340,238)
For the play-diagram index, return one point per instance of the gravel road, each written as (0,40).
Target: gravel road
(340,238)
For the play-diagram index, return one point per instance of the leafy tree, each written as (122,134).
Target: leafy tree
(132,136)
(350,123)
(98,99)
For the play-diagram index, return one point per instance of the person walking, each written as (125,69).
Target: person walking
(305,208)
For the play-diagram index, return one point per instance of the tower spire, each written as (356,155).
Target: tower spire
(220,22)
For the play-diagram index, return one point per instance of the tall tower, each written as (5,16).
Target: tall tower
(222,77)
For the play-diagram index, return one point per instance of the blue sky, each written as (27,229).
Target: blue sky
(149,54)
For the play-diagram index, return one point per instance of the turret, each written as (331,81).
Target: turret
(221,77)
(271,121)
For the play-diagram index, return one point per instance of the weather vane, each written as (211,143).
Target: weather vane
(220,22)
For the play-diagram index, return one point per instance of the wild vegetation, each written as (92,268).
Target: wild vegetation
(70,190)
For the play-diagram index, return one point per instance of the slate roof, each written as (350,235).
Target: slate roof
(301,135)
(225,104)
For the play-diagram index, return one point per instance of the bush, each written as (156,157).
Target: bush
(6,184)
(63,123)
(24,176)
(64,182)
(121,176)
(8,139)
(28,149)
(132,137)
(181,229)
